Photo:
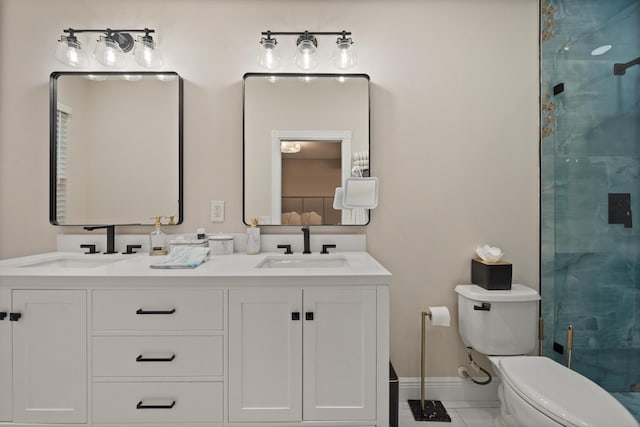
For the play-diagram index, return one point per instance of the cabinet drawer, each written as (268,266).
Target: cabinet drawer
(157,402)
(158,310)
(167,356)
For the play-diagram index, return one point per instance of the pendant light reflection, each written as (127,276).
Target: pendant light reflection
(269,54)
(306,57)
(69,51)
(289,147)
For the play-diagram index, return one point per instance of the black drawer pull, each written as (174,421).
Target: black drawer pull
(141,358)
(3,314)
(484,307)
(141,311)
(14,317)
(295,315)
(141,405)
(308,315)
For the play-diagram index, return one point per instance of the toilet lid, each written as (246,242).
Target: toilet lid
(562,394)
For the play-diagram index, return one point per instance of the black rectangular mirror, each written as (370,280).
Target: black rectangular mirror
(304,135)
(115,147)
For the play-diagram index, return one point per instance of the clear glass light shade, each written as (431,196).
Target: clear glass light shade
(109,54)
(344,57)
(269,55)
(306,55)
(146,54)
(69,51)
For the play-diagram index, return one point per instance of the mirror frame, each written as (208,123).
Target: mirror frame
(244,142)
(53,102)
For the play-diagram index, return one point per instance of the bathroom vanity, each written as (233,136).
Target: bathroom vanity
(241,340)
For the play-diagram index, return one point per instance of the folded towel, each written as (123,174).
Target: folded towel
(310,218)
(290,218)
(183,257)
(360,155)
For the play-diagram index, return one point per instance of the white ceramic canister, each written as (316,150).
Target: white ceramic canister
(221,244)
(182,241)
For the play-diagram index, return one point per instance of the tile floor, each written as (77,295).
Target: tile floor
(463,414)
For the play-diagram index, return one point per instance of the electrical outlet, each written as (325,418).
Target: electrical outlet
(217,211)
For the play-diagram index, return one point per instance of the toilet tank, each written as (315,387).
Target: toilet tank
(495,322)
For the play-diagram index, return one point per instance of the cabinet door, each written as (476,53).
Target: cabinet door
(265,355)
(6,390)
(50,356)
(339,374)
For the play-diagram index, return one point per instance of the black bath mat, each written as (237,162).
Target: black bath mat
(433,411)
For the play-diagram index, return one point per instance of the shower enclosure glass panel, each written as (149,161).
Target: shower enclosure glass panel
(590,189)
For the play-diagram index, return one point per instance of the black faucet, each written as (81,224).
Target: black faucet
(111,236)
(305,231)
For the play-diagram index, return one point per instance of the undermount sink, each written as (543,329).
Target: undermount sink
(72,261)
(303,261)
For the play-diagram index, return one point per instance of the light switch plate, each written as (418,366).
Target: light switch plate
(217,211)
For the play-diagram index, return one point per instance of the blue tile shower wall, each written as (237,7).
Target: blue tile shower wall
(591,147)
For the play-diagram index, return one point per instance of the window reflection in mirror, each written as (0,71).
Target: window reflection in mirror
(116,147)
(304,135)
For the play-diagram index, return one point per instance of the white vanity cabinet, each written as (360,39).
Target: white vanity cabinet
(6,368)
(227,344)
(49,357)
(158,356)
(302,354)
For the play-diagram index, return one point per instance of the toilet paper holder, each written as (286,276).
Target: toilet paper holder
(427,410)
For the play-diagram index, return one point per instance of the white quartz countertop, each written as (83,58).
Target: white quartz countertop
(221,270)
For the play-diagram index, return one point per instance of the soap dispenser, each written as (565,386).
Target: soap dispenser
(253,238)
(158,240)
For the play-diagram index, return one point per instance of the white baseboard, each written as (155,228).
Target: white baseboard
(448,389)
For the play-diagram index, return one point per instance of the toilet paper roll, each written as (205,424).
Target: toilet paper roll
(440,316)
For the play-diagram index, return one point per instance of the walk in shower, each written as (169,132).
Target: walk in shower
(590,189)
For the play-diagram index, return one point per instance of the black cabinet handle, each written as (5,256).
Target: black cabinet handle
(308,315)
(14,317)
(141,311)
(295,315)
(141,358)
(3,314)
(484,307)
(141,405)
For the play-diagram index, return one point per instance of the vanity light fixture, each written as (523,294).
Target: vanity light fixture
(306,56)
(110,50)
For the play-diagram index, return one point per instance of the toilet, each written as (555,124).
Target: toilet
(534,391)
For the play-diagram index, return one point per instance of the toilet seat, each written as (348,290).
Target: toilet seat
(562,394)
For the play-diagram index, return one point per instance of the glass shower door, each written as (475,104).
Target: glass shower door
(590,189)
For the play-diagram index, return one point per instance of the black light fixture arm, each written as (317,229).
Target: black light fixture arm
(71,31)
(299,33)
